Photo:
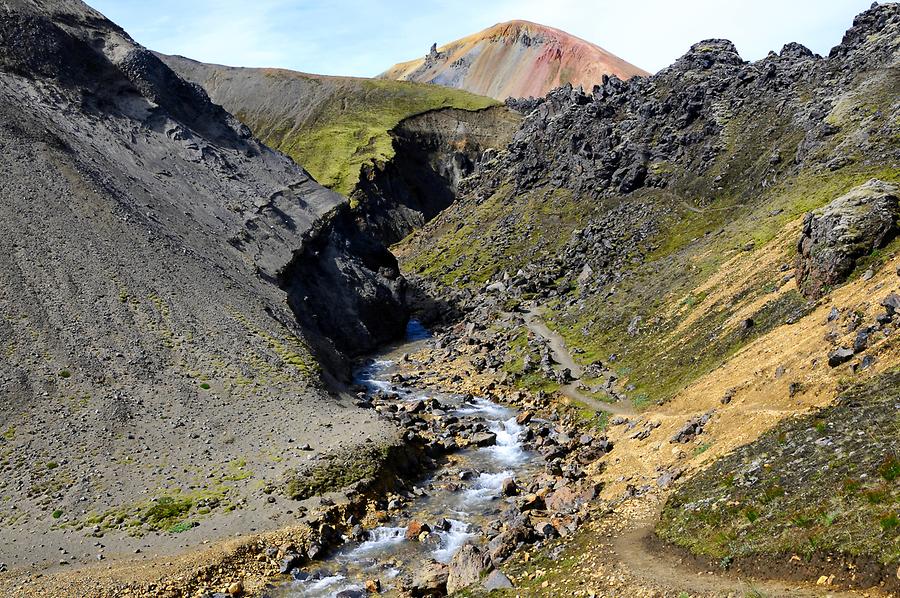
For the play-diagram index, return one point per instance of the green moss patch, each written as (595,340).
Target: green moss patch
(351,127)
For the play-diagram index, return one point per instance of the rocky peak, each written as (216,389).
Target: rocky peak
(880,19)
(795,50)
(707,53)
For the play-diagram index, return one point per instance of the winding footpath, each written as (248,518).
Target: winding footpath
(630,549)
(561,355)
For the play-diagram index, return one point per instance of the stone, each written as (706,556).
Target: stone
(465,567)
(236,589)
(692,428)
(504,544)
(483,439)
(891,304)
(562,500)
(416,529)
(430,580)
(547,531)
(351,594)
(291,561)
(834,237)
(373,586)
(531,502)
(839,356)
(496,580)
(861,341)
(509,487)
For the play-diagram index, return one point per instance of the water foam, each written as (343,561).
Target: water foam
(451,540)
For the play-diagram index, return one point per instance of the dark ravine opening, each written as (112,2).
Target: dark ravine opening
(346,290)
(433,152)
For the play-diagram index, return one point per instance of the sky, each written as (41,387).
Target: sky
(364,38)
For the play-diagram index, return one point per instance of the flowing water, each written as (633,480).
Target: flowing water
(460,497)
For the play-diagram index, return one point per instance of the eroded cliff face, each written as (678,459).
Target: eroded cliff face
(433,153)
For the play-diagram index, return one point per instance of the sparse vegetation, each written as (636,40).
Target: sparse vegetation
(786,493)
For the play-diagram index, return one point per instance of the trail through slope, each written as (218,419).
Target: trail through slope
(562,356)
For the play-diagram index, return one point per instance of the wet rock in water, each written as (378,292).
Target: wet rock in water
(524,417)
(483,439)
(509,487)
(466,567)
(443,525)
(415,529)
(839,356)
(290,562)
(373,586)
(430,580)
(351,594)
(836,236)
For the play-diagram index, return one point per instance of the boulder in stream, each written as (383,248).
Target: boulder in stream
(466,567)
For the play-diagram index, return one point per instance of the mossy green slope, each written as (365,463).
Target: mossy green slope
(329,125)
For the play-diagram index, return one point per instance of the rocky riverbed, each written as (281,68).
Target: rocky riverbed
(506,474)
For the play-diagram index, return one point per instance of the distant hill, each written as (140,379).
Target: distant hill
(331,125)
(514,59)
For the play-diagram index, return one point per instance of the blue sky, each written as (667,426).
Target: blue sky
(363,38)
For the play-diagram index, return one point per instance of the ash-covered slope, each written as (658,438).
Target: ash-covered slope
(166,282)
(515,59)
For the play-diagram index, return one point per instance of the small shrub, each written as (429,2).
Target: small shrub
(890,468)
(205,386)
(165,510)
(889,523)
(52,465)
(875,496)
(182,527)
(65,374)
(57,514)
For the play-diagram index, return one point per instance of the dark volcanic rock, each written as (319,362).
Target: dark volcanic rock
(848,228)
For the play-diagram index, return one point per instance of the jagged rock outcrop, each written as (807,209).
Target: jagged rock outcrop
(433,152)
(163,277)
(516,59)
(709,130)
(851,226)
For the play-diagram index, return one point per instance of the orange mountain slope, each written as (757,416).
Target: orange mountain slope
(514,59)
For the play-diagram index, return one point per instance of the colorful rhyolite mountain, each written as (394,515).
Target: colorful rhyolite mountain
(514,59)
